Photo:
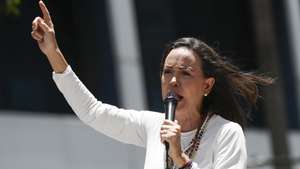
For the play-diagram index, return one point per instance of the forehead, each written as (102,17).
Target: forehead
(182,57)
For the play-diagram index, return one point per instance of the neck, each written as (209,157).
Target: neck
(189,123)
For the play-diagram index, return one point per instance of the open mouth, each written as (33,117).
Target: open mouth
(179,97)
(172,94)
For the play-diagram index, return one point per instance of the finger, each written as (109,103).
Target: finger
(170,122)
(43,25)
(166,131)
(165,127)
(36,36)
(46,14)
(35,24)
(167,137)
(168,126)
(171,132)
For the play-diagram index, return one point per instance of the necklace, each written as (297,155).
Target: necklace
(192,148)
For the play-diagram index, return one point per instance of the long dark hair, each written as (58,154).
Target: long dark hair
(234,93)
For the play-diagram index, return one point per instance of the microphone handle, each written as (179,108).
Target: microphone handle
(170,112)
(170,115)
(167,156)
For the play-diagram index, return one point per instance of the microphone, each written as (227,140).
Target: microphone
(170,103)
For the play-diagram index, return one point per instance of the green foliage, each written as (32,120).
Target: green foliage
(11,7)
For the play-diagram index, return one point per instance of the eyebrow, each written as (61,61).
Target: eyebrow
(183,67)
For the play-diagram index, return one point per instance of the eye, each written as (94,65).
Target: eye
(186,73)
(167,71)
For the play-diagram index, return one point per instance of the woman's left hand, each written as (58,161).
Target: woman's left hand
(170,132)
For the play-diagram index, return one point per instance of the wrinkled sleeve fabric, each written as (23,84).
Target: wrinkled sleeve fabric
(230,148)
(120,124)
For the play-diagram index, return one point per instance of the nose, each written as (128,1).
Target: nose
(174,81)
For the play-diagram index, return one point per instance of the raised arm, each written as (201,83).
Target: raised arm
(124,125)
(43,32)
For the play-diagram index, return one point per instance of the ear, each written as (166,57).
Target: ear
(209,83)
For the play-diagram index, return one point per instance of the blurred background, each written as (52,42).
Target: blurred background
(115,47)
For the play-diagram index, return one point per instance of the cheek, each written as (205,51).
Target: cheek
(163,86)
(195,95)
(162,82)
(194,89)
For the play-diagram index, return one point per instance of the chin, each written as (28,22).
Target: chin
(180,107)
(179,113)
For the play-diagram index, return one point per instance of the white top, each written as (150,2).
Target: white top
(222,145)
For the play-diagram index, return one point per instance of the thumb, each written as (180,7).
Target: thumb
(176,121)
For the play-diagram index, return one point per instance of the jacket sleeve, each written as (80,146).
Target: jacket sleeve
(120,124)
(230,148)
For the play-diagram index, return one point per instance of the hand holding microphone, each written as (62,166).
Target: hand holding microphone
(170,130)
(170,103)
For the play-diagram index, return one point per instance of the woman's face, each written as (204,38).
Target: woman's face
(183,74)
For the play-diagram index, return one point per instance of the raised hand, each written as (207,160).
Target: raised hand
(43,32)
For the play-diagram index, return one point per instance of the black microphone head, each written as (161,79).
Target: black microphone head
(170,103)
(171,97)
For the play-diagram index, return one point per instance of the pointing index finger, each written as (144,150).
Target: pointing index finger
(45,12)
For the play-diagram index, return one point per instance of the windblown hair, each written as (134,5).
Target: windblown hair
(234,93)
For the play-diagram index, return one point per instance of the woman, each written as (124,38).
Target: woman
(213,99)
